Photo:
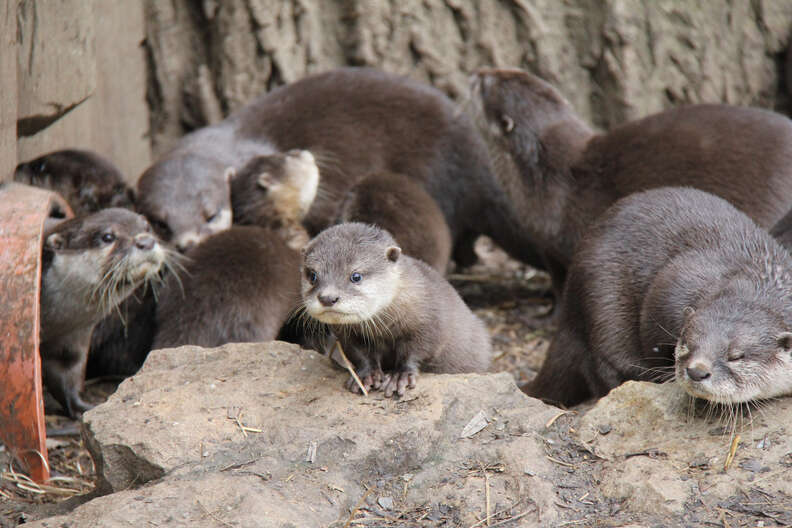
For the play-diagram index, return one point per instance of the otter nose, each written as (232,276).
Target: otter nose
(145,241)
(698,372)
(328,300)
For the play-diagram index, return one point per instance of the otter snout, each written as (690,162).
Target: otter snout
(145,241)
(328,300)
(698,371)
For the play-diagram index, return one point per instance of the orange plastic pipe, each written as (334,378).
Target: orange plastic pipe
(23,210)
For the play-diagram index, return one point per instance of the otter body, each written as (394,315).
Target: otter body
(562,176)
(673,273)
(356,121)
(87,181)
(239,285)
(397,204)
(90,265)
(392,314)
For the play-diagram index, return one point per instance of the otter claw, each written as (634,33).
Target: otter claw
(399,383)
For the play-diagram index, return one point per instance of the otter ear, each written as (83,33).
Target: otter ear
(263,180)
(784,340)
(229,174)
(54,241)
(506,123)
(393,253)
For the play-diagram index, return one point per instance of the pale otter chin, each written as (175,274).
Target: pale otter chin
(89,265)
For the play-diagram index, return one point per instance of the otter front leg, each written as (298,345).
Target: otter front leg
(367,367)
(64,378)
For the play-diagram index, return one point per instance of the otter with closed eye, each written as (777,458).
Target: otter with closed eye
(673,281)
(90,264)
(393,314)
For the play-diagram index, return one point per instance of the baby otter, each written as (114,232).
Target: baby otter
(89,265)
(562,175)
(276,191)
(241,284)
(673,273)
(397,204)
(392,314)
(87,181)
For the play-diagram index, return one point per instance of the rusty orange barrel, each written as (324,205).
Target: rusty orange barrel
(23,211)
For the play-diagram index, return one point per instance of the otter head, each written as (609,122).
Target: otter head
(186,197)
(350,274)
(529,126)
(734,351)
(275,188)
(92,263)
(88,181)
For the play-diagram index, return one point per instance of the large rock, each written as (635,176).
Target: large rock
(312,449)
(614,59)
(666,456)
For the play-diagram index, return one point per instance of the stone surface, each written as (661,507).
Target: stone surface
(614,59)
(664,454)
(311,442)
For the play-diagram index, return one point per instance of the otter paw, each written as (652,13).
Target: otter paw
(372,379)
(399,382)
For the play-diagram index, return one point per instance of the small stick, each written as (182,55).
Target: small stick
(212,515)
(732,451)
(357,507)
(350,368)
(487,495)
(723,518)
(556,417)
(510,519)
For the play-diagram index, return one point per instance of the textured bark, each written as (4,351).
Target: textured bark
(614,59)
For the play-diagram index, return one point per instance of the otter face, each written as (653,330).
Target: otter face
(726,359)
(93,263)
(280,186)
(186,198)
(350,274)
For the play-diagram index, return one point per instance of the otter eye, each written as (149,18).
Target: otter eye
(160,227)
(212,217)
(108,238)
(311,276)
(506,123)
(734,354)
(356,277)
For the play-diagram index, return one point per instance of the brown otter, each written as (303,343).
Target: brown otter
(89,265)
(356,121)
(239,285)
(276,192)
(399,205)
(392,314)
(87,181)
(562,176)
(673,271)
(242,284)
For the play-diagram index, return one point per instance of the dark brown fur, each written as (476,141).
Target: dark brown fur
(668,267)
(562,175)
(401,315)
(398,205)
(239,285)
(356,121)
(87,181)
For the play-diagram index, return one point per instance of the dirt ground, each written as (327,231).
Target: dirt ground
(511,298)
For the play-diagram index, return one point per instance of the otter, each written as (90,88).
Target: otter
(89,265)
(356,121)
(562,175)
(673,279)
(392,314)
(87,181)
(276,192)
(239,285)
(782,231)
(399,205)
(242,284)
